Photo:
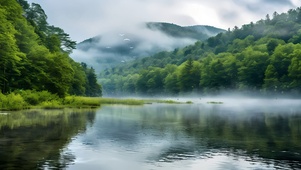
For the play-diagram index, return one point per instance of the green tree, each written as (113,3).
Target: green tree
(9,53)
(63,40)
(60,74)
(230,66)
(130,84)
(171,83)
(93,89)
(213,75)
(271,81)
(272,44)
(79,81)
(281,60)
(189,76)
(294,69)
(252,69)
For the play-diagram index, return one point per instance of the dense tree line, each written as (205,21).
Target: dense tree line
(35,55)
(264,56)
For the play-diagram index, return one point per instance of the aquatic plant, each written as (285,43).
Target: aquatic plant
(121,101)
(80,101)
(189,102)
(214,102)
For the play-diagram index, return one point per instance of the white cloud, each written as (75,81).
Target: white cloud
(85,19)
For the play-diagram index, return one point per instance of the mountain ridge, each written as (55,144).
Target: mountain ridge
(261,57)
(110,49)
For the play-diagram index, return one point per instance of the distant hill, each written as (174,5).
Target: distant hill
(113,48)
(261,57)
(197,32)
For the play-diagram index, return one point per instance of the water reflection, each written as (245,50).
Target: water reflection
(186,136)
(35,139)
(262,135)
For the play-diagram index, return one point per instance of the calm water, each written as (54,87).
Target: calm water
(238,134)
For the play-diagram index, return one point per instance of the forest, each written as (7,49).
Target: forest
(262,57)
(34,55)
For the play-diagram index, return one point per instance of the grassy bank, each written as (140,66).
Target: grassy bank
(32,99)
(78,101)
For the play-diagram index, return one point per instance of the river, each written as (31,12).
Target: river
(231,134)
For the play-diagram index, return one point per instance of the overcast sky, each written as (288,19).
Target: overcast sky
(84,19)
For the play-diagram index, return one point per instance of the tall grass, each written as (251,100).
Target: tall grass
(34,99)
(121,101)
(78,101)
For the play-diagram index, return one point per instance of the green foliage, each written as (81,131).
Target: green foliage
(10,54)
(214,102)
(121,101)
(193,32)
(35,55)
(188,76)
(261,56)
(93,89)
(12,101)
(47,132)
(33,97)
(77,101)
(271,81)
(53,104)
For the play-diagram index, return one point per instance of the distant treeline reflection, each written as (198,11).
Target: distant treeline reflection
(29,139)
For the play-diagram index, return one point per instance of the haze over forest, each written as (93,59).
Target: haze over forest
(262,56)
(115,47)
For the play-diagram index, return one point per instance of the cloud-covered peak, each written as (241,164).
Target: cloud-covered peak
(84,19)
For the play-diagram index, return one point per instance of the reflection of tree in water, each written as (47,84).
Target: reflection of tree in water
(259,134)
(35,139)
(269,135)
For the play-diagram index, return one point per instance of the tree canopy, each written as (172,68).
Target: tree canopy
(35,55)
(262,56)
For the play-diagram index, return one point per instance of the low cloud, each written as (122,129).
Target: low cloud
(119,47)
(85,19)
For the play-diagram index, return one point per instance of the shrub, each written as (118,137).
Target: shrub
(12,101)
(33,97)
(53,104)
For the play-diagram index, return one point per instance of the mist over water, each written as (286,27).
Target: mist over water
(273,103)
(212,133)
(234,135)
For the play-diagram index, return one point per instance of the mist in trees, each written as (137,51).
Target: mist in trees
(262,57)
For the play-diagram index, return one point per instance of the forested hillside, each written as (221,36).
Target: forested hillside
(124,44)
(35,55)
(264,57)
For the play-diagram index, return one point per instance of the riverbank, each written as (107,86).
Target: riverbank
(45,100)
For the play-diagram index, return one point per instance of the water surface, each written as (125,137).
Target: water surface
(248,134)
